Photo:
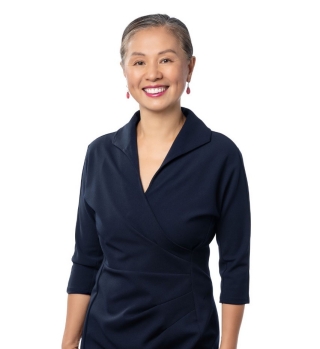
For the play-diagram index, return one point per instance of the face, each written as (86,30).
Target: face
(156,69)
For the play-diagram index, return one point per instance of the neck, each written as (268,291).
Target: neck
(160,126)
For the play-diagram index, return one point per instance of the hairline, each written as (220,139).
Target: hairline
(167,26)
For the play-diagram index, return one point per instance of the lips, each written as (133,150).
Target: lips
(155,91)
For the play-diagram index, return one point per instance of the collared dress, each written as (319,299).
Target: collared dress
(144,256)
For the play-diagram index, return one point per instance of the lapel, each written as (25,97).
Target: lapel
(192,135)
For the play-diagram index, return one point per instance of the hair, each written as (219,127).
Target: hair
(174,25)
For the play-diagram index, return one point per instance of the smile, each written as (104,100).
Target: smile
(156,91)
(153,90)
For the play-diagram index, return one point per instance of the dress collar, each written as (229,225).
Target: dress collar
(192,135)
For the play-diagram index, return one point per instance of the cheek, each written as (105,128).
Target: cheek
(178,75)
(133,77)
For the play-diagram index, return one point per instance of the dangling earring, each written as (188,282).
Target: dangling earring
(188,89)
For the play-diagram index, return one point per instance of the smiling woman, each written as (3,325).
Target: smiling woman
(155,65)
(153,196)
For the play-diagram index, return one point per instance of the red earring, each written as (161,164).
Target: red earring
(128,94)
(188,89)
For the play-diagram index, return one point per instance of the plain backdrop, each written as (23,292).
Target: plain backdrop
(256,80)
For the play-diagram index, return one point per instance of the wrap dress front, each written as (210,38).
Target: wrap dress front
(144,256)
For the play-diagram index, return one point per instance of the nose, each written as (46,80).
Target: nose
(153,72)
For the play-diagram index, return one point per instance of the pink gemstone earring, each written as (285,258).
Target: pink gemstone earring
(188,89)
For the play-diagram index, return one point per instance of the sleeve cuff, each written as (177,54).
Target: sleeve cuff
(82,279)
(237,301)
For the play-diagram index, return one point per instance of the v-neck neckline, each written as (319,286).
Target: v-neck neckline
(164,160)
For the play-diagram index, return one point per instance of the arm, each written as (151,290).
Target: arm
(87,259)
(233,238)
(231,320)
(76,311)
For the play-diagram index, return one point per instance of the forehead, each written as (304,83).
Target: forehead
(153,39)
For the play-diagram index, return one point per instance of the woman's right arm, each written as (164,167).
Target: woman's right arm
(87,260)
(76,310)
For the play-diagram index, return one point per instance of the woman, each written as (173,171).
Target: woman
(153,196)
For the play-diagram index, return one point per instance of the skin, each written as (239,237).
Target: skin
(231,321)
(145,65)
(154,57)
(76,310)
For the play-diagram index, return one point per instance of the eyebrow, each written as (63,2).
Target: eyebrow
(160,53)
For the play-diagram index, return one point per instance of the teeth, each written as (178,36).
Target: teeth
(155,90)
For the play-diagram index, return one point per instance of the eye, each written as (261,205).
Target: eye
(138,63)
(166,60)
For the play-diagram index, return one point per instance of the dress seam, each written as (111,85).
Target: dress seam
(194,301)
(159,246)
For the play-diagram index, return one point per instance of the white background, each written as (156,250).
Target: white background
(257,80)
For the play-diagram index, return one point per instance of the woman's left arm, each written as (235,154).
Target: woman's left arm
(231,321)
(233,232)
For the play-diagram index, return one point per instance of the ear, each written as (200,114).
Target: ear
(123,70)
(191,65)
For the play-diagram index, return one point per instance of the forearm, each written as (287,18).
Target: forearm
(76,310)
(231,321)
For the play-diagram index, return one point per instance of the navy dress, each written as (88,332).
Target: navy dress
(144,256)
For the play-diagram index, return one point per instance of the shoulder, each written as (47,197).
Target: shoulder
(100,144)
(217,144)
(224,147)
(226,156)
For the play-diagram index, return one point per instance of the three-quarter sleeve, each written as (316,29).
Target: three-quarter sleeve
(233,231)
(88,256)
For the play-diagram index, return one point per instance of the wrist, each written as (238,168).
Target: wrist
(228,344)
(70,344)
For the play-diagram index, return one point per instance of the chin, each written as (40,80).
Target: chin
(158,107)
